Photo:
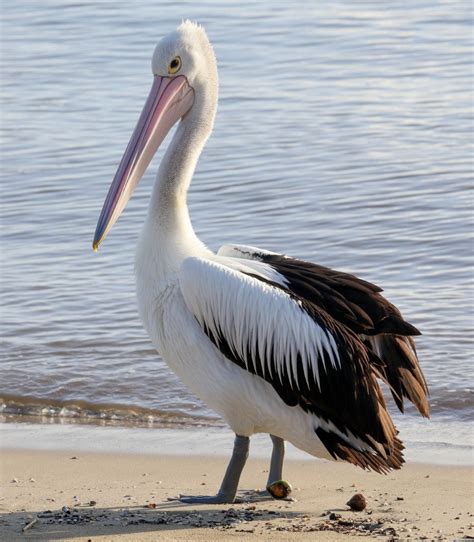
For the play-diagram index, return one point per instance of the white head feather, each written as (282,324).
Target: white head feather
(198,63)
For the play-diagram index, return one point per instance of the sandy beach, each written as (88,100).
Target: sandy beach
(104,496)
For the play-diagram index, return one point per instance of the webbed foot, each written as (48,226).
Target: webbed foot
(227,492)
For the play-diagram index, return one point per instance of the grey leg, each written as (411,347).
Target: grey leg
(229,485)
(276,464)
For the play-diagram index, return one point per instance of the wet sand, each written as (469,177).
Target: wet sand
(105,496)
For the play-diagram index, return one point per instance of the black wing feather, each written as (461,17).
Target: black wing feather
(358,305)
(376,314)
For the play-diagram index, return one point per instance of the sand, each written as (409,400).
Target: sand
(124,497)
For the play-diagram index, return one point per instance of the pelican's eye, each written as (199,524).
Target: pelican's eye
(175,65)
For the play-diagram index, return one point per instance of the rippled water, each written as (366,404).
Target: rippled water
(343,136)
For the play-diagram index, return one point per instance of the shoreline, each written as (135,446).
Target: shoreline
(189,440)
(124,496)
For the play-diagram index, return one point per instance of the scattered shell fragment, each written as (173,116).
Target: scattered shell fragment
(280,489)
(358,502)
(30,524)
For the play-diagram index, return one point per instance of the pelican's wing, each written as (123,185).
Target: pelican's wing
(310,359)
(357,305)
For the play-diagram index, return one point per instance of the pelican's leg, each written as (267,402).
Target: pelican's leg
(229,485)
(276,463)
(277,488)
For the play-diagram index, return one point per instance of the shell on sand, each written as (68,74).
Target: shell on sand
(358,502)
(280,489)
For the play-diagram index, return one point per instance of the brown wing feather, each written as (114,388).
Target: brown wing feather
(402,370)
(374,314)
(359,305)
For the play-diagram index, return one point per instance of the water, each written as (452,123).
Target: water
(343,136)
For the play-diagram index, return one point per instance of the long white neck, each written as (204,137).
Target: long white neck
(168,229)
(168,210)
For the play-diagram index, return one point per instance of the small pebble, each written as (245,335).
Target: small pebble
(358,502)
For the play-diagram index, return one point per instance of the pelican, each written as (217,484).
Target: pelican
(272,343)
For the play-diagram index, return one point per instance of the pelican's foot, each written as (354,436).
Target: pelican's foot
(209,499)
(228,490)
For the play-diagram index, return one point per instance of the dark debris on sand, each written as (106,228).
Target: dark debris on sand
(240,519)
(232,518)
(336,523)
(221,519)
(71,516)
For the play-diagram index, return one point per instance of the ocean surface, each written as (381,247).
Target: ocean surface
(343,136)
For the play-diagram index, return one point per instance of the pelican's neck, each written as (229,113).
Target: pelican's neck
(168,214)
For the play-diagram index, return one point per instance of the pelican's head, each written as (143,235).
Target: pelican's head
(184,88)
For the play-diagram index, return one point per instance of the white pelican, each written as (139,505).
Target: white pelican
(273,344)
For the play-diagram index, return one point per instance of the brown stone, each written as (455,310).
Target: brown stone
(358,502)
